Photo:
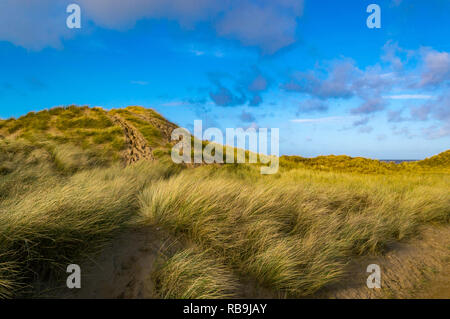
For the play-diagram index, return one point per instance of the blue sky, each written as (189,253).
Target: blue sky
(313,69)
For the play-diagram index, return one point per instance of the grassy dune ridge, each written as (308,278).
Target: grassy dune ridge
(64,193)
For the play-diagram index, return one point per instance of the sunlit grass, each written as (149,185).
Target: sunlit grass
(63,195)
(191,274)
(57,223)
(295,232)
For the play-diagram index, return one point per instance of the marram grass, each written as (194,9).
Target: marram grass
(64,194)
(294,233)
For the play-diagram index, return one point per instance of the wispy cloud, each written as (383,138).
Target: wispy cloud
(139,82)
(247,88)
(197,52)
(408,97)
(176,103)
(323,119)
(247,117)
(312,105)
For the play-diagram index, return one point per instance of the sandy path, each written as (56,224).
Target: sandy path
(123,269)
(415,269)
(165,127)
(138,147)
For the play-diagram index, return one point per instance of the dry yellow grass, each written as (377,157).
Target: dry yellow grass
(291,233)
(192,274)
(295,232)
(54,224)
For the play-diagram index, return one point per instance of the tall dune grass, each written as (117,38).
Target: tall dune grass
(53,225)
(295,232)
(192,274)
(292,232)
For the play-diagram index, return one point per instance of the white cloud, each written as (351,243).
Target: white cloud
(266,24)
(270,26)
(35,24)
(409,97)
(436,67)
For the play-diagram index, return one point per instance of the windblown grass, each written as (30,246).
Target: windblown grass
(190,274)
(53,225)
(296,232)
(63,195)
